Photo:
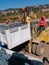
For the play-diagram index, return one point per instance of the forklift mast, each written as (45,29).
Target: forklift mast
(24,13)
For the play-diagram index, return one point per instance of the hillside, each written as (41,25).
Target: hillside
(15,13)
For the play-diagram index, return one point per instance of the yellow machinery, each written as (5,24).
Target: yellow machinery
(23,14)
(24,17)
(33,15)
(39,42)
(28,20)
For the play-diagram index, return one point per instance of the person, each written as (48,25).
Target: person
(42,24)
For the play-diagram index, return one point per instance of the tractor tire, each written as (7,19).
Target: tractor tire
(40,49)
(34,48)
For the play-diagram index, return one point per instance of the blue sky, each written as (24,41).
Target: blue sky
(4,4)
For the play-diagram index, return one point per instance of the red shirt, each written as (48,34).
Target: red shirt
(42,22)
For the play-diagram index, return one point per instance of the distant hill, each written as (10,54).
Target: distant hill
(46,6)
(14,13)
